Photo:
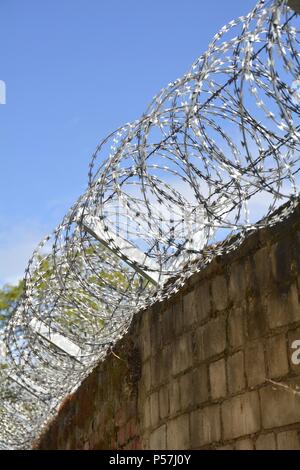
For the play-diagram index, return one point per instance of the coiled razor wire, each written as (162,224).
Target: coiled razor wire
(214,155)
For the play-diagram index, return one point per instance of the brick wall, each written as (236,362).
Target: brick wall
(199,371)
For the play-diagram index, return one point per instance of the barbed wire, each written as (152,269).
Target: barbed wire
(214,155)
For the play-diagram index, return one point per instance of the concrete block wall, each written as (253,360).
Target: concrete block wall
(208,369)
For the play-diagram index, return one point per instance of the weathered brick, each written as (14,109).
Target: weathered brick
(194,387)
(283,308)
(130,406)
(186,390)
(154,409)
(279,406)
(146,414)
(178,434)
(174,396)
(156,375)
(236,322)
(226,447)
(236,372)
(177,308)
(145,444)
(182,354)
(86,446)
(256,318)
(288,440)
(144,337)
(211,339)
(281,260)
(241,415)
(277,360)
(238,282)
(244,444)
(120,418)
(167,324)
(203,301)
(158,439)
(266,442)
(190,308)
(136,444)
(165,364)
(155,332)
(205,426)
(146,375)
(220,292)
(217,375)
(164,405)
(132,427)
(255,363)
(263,272)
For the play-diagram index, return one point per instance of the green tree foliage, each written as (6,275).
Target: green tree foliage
(41,279)
(9,296)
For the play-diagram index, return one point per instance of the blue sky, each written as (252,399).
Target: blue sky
(74,71)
